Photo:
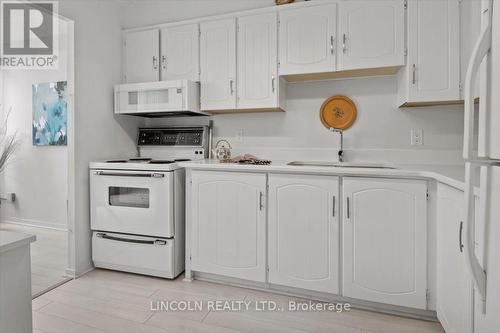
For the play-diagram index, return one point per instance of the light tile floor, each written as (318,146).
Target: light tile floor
(48,256)
(108,301)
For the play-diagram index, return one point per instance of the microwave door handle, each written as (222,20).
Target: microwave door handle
(480,51)
(116,174)
(474,267)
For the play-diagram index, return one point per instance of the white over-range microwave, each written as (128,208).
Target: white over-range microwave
(159,99)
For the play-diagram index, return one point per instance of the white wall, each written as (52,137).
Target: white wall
(38,175)
(381,127)
(99,134)
(143,13)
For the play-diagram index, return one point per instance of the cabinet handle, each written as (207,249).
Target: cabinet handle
(344,38)
(273,80)
(413,71)
(155,62)
(231,88)
(163,62)
(332,40)
(348,208)
(261,202)
(333,206)
(460,231)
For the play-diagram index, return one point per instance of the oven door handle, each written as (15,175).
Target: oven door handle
(117,174)
(128,240)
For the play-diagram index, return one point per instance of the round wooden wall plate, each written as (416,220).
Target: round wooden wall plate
(338,112)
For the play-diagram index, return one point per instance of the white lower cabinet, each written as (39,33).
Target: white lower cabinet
(228,224)
(384,241)
(242,224)
(304,232)
(454,288)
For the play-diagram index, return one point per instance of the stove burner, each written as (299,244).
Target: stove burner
(117,161)
(182,160)
(139,159)
(161,162)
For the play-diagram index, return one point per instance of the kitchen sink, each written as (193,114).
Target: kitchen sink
(342,165)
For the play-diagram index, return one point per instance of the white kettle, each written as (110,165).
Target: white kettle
(222,150)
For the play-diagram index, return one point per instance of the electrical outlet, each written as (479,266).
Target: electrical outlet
(239,135)
(417,137)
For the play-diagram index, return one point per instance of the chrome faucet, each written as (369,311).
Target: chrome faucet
(341,150)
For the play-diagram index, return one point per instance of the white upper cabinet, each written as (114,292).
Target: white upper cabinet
(307,39)
(218,64)
(142,56)
(432,73)
(228,224)
(371,34)
(258,61)
(304,232)
(385,242)
(180,58)
(454,287)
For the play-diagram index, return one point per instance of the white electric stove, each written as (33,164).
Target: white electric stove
(137,204)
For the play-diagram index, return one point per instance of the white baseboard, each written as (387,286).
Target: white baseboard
(78,274)
(34,223)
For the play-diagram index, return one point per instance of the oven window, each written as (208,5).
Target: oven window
(129,197)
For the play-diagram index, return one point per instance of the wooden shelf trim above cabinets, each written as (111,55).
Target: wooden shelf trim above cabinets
(436,103)
(342,74)
(235,111)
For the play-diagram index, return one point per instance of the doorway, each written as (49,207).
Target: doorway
(36,182)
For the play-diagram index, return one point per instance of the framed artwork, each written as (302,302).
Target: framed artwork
(50,114)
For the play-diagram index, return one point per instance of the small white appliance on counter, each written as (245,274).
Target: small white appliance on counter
(137,204)
(162,98)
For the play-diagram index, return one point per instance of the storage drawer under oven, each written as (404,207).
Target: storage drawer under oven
(136,254)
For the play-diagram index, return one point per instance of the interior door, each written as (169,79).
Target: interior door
(307,39)
(142,56)
(304,232)
(454,295)
(258,61)
(371,34)
(228,234)
(180,55)
(385,242)
(218,64)
(433,50)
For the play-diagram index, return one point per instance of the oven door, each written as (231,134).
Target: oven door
(132,202)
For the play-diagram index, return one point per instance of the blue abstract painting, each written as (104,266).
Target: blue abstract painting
(50,114)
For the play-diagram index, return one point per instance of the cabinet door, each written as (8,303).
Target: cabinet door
(257,61)
(454,289)
(218,65)
(384,237)
(307,39)
(180,58)
(142,56)
(304,232)
(433,50)
(371,34)
(228,235)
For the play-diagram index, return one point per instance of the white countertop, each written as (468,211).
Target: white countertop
(452,175)
(11,239)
